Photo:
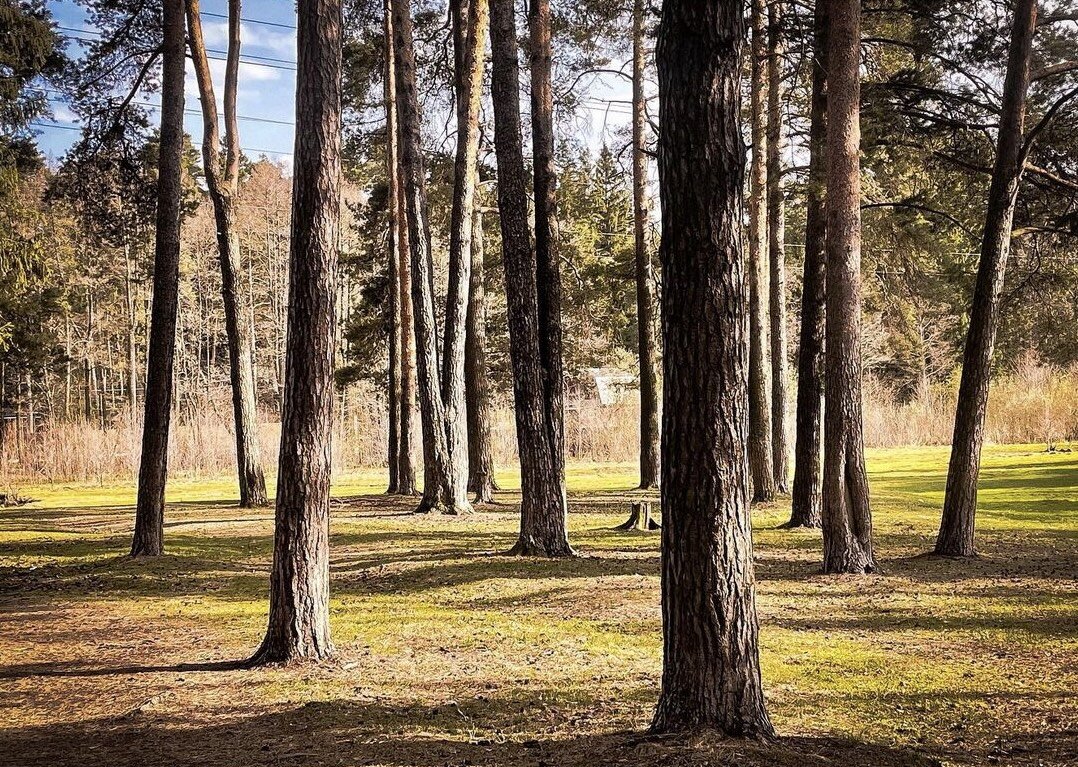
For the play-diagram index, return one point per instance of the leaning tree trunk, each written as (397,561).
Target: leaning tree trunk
(445,486)
(299,582)
(711,670)
(647,344)
(222,181)
(480,450)
(392,245)
(960,501)
(153,468)
(776,247)
(847,518)
(810,359)
(761,458)
(252,480)
(543,510)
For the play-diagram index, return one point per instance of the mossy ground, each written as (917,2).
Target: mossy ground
(450,654)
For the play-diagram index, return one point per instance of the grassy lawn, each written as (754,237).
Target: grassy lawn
(450,654)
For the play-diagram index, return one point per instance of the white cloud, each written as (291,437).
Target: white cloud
(267,42)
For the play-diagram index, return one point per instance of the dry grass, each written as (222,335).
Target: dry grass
(1033,404)
(450,654)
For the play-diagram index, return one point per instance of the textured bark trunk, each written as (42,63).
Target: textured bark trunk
(545,532)
(647,345)
(534,328)
(132,353)
(711,672)
(761,458)
(393,458)
(776,247)
(406,471)
(67,372)
(960,500)
(445,445)
(847,517)
(87,365)
(471,20)
(222,181)
(480,450)
(153,468)
(806,509)
(252,480)
(299,582)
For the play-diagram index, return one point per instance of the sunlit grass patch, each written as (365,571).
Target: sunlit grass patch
(449,651)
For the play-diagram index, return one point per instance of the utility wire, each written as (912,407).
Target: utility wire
(271,62)
(58,97)
(250,21)
(250,150)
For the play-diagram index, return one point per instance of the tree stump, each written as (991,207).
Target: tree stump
(639,518)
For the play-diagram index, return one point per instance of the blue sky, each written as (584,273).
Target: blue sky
(267,81)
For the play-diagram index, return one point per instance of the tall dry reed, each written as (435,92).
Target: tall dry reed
(1032,404)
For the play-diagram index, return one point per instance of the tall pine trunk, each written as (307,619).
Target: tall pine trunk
(761,458)
(711,672)
(534,329)
(847,517)
(153,468)
(776,247)
(393,457)
(445,446)
(806,508)
(480,450)
(406,470)
(470,20)
(647,344)
(960,500)
(132,350)
(299,582)
(222,181)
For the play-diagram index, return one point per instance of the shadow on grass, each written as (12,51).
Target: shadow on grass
(440,557)
(491,732)
(32,670)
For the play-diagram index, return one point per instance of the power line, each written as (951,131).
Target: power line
(250,21)
(57,97)
(271,62)
(249,150)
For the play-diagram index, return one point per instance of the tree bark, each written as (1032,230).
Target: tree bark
(806,508)
(647,345)
(405,469)
(711,673)
(393,458)
(132,353)
(470,20)
(299,582)
(153,469)
(445,443)
(534,325)
(761,458)
(776,247)
(222,181)
(480,450)
(847,517)
(406,472)
(960,499)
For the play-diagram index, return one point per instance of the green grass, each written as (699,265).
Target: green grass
(450,653)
